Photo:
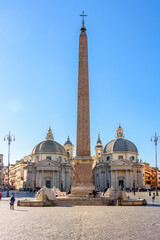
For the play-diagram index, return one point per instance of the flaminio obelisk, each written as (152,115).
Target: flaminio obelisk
(82,182)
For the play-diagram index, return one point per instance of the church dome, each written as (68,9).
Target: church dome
(49,146)
(120,145)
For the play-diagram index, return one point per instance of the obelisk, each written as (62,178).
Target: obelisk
(82,183)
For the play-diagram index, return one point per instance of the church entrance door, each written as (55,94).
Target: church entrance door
(121,183)
(48,184)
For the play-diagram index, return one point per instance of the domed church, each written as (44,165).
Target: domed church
(117,164)
(49,164)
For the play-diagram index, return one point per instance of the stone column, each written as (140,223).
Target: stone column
(115,179)
(131,180)
(53,184)
(42,178)
(126,178)
(137,178)
(100,178)
(58,179)
(105,178)
(37,179)
(110,179)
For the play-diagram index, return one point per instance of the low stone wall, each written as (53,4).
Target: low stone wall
(138,202)
(79,201)
(30,203)
(69,202)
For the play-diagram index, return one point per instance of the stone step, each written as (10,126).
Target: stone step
(82,202)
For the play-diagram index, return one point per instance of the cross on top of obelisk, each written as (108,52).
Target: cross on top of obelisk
(83,27)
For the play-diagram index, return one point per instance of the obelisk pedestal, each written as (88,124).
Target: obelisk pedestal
(82,182)
(82,176)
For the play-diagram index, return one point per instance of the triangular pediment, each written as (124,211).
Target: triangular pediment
(121,162)
(47,162)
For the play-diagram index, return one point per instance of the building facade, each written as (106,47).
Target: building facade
(150,176)
(117,164)
(48,165)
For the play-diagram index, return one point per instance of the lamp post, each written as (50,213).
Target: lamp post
(155,139)
(9,138)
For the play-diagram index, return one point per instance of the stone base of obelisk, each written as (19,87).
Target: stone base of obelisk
(82,184)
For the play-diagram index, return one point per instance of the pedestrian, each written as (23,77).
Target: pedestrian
(94,193)
(149,192)
(134,192)
(0,195)
(12,200)
(101,194)
(153,197)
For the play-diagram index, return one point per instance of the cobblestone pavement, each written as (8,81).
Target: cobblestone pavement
(84,223)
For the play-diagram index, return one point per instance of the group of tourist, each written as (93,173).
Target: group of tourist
(99,193)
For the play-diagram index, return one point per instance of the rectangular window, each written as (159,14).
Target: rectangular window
(108,158)
(49,157)
(120,157)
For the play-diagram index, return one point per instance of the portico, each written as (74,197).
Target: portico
(122,177)
(49,173)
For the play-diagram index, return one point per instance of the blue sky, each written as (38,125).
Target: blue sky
(39,71)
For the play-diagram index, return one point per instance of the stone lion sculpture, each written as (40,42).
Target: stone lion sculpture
(47,194)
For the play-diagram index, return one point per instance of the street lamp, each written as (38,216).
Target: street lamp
(9,138)
(155,139)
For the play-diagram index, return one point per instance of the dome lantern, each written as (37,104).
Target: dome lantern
(119,132)
(49,135)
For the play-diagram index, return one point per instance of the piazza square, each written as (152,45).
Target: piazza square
(78,163)
(81,222)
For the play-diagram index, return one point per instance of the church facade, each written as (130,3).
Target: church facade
(117,164)
(48,165)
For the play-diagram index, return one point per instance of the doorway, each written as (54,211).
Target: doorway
(48,184)
(121,183)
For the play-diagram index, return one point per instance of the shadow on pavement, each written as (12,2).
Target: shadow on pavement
(18,210)
(152,205)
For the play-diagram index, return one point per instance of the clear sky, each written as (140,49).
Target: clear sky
(39,71)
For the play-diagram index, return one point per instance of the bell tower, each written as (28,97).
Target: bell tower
(98,149)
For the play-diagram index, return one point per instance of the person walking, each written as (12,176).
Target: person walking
(0,195)
(12,200)
(153,197)
(134,192)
